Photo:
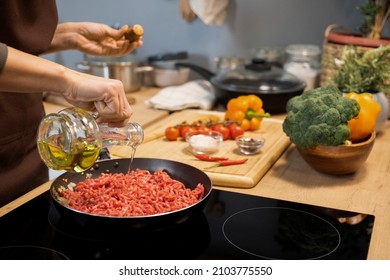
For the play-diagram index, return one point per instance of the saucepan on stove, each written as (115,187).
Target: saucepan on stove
(188,175)
(124,68)
(165,72)
(271,83)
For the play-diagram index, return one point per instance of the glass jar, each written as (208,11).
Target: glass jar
(303,61)
(71,140)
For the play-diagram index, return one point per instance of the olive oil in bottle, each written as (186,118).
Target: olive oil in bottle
(71,140)
(77,160)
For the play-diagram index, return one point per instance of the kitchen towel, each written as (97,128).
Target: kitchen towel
(193,94)
(210,11)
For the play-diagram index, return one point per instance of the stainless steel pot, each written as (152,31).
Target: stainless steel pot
(165,71)
(131,73)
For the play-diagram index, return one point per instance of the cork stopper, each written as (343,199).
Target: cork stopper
(134,33)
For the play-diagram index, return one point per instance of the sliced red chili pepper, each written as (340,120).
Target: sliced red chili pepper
(210,158)
(228,162)
(232,162)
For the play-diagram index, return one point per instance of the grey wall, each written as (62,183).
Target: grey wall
(250,24)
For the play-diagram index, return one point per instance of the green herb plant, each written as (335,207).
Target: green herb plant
(363,71)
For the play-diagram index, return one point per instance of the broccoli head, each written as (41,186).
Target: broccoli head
(319,117)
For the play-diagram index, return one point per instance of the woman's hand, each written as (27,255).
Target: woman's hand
(92,38)
(106,96)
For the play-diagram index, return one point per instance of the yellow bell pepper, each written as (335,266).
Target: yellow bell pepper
(364,124)
(247,110)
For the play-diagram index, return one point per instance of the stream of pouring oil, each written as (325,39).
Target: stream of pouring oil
(133,149)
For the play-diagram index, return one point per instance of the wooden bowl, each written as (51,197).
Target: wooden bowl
(338,160)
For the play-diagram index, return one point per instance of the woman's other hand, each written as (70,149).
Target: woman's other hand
(92,38)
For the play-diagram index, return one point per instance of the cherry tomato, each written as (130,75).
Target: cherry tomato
(186,129)
(235,130)
(203,129)
(197,124)
(222,129)
(172,133)
(182,125)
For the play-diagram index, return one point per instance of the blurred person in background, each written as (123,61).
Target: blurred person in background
(29,28)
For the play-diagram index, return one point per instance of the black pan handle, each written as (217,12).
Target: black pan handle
(207,74)
(104,154)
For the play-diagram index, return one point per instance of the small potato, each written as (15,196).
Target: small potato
(134,33)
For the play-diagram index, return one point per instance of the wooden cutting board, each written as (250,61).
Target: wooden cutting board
(242,176)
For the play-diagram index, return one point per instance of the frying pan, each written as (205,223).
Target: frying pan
(187,174)
(272,84)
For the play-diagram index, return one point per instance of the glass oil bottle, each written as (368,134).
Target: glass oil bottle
(71,140)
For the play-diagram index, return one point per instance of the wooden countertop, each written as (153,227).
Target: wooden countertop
(367,191)
(291,179)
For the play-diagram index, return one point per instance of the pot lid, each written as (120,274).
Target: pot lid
(110,59)
(168,57)
(167,60)
(258,77)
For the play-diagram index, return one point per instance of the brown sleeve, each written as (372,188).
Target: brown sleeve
(3,55)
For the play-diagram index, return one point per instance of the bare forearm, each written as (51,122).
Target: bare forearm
(27,73)
(30,74)
(65,37)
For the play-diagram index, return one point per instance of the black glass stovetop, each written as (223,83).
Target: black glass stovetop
(232,226)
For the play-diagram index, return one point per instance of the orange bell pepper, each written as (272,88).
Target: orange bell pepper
(364,124)
(247,110)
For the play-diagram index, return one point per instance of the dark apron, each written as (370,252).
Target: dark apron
(27,25)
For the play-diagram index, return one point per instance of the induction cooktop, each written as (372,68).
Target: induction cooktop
(232,226)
